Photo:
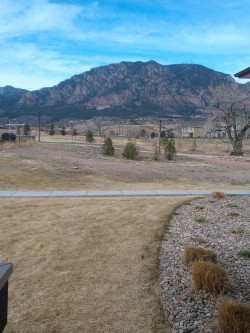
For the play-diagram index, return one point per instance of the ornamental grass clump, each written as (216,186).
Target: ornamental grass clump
(218,195)
(193,254)
(234,317)
(200,219)
(209,277)
(198,207)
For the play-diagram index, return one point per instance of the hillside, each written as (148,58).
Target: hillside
(127,89)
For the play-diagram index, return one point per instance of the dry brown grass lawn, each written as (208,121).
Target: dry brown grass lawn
(60,166)
(78,263)
(203,145)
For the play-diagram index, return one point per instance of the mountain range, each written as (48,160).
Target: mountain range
(127,89)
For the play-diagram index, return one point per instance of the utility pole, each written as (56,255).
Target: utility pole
(39,127)
(160,137)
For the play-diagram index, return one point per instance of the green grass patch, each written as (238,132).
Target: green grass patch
(232,205)
(244,253)
(200,219)
(233,214)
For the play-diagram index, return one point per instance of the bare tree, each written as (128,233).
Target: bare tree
(100,126)
(230,108)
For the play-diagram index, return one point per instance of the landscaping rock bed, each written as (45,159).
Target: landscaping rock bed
(226,230)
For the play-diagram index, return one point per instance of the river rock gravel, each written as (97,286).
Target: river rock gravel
(226,231)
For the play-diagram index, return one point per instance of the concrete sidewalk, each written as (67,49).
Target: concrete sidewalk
(110,193)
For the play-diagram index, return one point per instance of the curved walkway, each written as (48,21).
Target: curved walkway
(118,193)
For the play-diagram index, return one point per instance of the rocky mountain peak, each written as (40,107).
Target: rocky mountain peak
(125,89)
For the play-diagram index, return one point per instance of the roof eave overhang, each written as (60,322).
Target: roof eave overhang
(245,74)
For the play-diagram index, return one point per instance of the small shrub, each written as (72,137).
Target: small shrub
(192,254)
(244,253)
(107,148)
(209,277)
(234,317)
(156,153)
(233,214)
(130,152)
(198,239)
(232,205)
(218,195)
(200,219)
(238,231)
(198,207)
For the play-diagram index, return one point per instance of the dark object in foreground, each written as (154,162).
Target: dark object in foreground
(6,136)
(5,272)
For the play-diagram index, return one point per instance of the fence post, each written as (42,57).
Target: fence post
(5,272)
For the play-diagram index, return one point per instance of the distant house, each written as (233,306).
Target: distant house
(245,74)
(191,132)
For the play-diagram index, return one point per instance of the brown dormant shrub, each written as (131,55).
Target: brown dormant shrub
(192,254)
(210,277)
(234,317)
(218,195)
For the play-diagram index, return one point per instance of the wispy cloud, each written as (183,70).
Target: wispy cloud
(26,17)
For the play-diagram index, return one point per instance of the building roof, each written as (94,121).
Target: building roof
(245,74)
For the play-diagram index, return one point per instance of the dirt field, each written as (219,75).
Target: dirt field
(65,166)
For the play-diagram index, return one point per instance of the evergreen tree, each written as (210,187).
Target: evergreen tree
(162,134)
(89,136)
(152,135)
(143,133)
(26,129)
(52,130)
(74,132)
(130,152)
(63,131)
(169,149)
(107,148)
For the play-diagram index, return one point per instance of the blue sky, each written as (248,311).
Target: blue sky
(43,42)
